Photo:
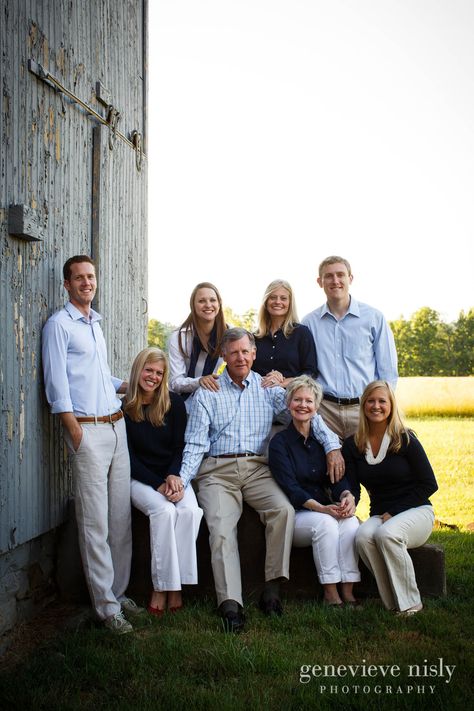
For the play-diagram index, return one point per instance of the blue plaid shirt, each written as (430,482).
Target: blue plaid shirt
(235,420)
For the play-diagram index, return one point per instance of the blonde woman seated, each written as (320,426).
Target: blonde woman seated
(195,347)
(285,348)
(390,462)
(156,420)
(327,523)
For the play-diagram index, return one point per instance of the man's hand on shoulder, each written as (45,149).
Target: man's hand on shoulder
(336,465)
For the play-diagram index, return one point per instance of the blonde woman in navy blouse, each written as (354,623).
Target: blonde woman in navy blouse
(285,348)
(390,462)
(156,420)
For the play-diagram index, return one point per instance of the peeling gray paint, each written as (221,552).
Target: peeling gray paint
(47,165)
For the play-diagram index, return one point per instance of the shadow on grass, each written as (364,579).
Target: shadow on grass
(312,657)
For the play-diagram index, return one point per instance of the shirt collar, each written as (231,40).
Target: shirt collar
(246,381)
(294,436)
(353,309)
(76,315)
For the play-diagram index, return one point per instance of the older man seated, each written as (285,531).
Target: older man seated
(227,432)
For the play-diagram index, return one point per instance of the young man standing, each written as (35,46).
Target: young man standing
(81,390)
(354,346)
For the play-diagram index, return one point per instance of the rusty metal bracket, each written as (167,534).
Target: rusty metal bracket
(137,142)
(113,117)
(111,120)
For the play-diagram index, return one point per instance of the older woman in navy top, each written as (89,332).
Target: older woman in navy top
(155,421)
(390,462)
(285,348)
(327,523)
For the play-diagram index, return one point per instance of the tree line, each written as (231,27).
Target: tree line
(426,345)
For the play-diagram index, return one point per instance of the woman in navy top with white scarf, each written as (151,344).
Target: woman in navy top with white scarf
(195,347)
(390,462)
(285,348)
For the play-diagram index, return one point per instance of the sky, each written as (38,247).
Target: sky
(284,131)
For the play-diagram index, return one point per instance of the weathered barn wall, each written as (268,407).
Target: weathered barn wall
(79,196)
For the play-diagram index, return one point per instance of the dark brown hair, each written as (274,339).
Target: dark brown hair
(77,259)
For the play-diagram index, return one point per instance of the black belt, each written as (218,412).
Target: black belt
(237,454)
(342,400)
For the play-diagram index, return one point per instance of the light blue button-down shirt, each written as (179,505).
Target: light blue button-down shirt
(234,420)
(353,351)
(76,373)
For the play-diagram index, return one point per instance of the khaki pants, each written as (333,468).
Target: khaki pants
(341,419)
(101,473)
(384,549)
(222,486)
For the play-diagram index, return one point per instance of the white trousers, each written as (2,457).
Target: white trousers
(101,473)
(384,549)
(332,540)
(173,532)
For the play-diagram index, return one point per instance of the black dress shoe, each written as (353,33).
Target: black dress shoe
(271,606)
(233,621)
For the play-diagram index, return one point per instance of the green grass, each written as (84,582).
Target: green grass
(436,397)
(449,446)
(186,662)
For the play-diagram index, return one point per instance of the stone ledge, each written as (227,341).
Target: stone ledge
(429,564)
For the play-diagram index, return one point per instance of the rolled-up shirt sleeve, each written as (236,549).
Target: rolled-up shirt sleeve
(54,354)
(326,437)
(386,365)
(179,380)
(197,439)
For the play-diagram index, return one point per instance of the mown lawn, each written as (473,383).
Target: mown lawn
(186,662)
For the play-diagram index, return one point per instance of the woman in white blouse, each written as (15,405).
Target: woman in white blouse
(195,347)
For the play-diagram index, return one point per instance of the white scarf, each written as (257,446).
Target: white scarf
(369,455)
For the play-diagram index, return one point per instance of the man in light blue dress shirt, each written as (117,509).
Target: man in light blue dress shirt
(226,438)
(81,390)
(354,346)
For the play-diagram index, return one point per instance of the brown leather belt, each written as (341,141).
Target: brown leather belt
(236,455)
(342,400)
(106,419)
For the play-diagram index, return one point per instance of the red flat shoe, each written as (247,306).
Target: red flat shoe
(155,611)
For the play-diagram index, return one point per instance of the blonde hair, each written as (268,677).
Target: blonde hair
(133,400)
(304,381)
(264,320)
(190,325)
(396,429)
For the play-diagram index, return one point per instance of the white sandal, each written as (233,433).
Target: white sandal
(411,611)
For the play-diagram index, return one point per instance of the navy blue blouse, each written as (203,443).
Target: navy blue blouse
(401,481)
(156,452)
(292,356)
(300,469)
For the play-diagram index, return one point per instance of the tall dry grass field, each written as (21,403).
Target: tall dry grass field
(436,397)
(448,443)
